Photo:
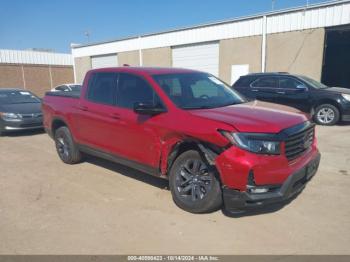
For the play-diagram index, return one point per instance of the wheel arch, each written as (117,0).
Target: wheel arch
(208,151)
(56,124)
(326,101)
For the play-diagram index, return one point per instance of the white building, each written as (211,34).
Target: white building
(313,40)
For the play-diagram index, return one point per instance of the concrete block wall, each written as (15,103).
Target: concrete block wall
(297,52)
(131,58)
(239,51)
(36,78)
(161,57)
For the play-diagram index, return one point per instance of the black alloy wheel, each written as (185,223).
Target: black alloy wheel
(194,184)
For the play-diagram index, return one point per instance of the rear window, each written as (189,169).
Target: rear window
(17,97)
(243,81)
(266,82)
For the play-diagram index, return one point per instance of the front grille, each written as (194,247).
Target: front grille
(37,115)
(299,143)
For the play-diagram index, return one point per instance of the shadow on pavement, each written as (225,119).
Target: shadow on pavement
(260,210)
(24,133)
(129,172)
(163,184)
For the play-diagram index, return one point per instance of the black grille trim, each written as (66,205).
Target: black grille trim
(299,143)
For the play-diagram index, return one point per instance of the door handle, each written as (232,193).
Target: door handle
(281,92)
(114,116)
(83,108)
(255,90)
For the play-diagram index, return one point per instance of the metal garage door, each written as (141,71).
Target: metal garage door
(104,61)
(203,57)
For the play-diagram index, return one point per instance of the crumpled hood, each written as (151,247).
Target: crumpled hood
(25,108)
(255,116)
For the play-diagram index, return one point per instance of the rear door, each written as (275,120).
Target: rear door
(265,88)
(97,116)
(294,93)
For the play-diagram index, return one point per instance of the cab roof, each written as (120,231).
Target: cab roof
(146,70)
(269,74)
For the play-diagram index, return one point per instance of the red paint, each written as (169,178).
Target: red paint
(149,140)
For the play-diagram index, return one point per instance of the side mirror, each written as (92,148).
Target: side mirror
(148,109)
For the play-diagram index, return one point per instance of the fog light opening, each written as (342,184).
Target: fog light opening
(258,190)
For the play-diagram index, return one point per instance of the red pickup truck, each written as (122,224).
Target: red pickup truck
(189,127)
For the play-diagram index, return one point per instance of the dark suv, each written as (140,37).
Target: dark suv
(326,104)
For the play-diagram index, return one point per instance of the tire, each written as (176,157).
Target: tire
(194,185)
(326,115)
(66,147)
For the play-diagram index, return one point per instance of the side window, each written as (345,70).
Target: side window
(265,82)
(287,82)
(102,88)
(133,89)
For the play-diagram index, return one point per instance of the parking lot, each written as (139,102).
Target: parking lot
(97,207)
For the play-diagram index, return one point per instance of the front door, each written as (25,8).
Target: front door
(294,93)
(139,135)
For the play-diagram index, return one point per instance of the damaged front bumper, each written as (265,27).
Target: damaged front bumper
(238,201)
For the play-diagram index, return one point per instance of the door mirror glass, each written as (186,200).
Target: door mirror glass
(148,109)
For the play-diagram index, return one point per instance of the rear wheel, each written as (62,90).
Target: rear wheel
(194,185)
(327,115)
(66,148)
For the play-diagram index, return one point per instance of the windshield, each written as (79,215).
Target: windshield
(17,97)
(75,88)
(197,90)
(313,83)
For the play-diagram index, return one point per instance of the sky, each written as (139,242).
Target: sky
(55,24)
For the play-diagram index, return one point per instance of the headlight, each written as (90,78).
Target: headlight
(11,116)
(253,142)
(346,97)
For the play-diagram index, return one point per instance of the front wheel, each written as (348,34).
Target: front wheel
(327,115)
(194,185)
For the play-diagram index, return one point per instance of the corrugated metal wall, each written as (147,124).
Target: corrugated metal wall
(34,58)
(322,15)
(309,19)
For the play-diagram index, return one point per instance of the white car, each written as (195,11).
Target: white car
(67,88)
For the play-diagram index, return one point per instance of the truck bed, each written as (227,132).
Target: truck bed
(64,94)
